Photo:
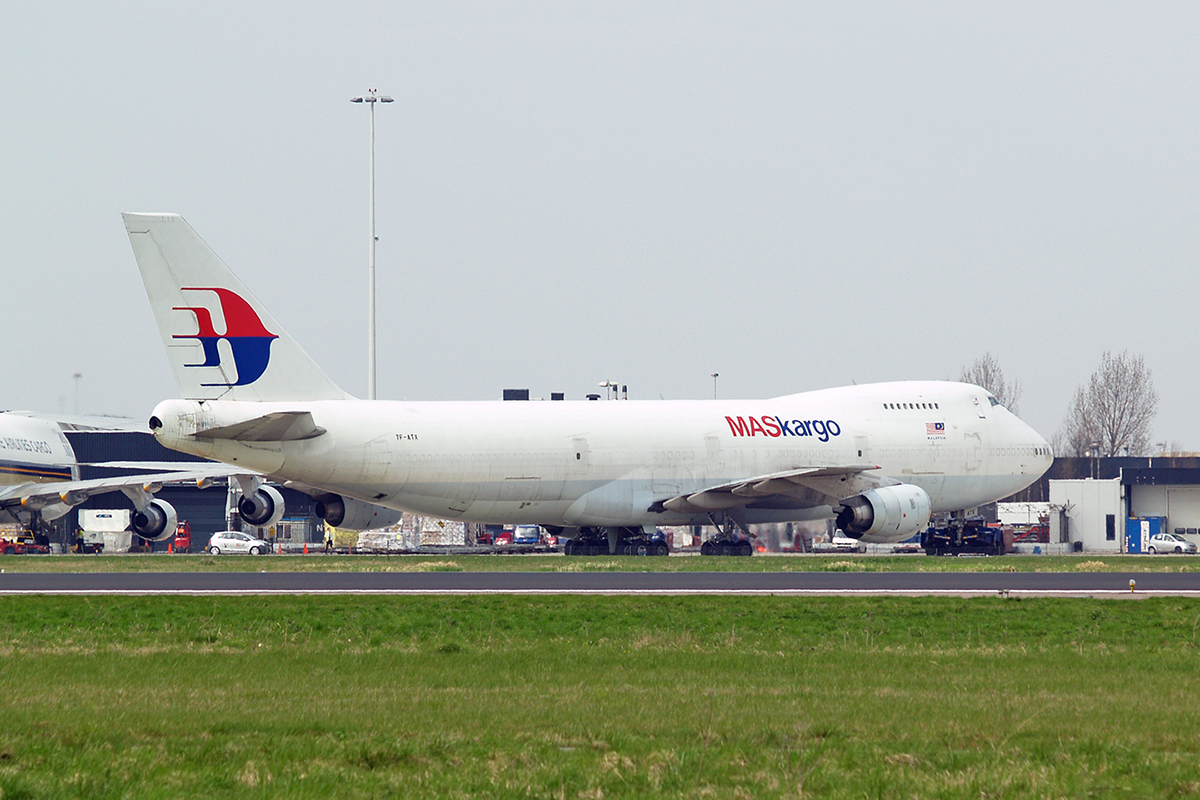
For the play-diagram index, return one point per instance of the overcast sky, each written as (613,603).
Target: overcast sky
(793,195)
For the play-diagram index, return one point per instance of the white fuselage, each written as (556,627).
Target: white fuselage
(577,464)
(33,449)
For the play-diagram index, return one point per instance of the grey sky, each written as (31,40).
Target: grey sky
(794,195)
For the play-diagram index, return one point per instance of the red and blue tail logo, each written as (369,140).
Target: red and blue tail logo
(248,338)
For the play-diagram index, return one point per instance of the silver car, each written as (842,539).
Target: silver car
(1169,543)
(236,542)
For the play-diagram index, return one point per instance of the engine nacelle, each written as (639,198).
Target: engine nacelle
(155,522)
(264,508)
(354,515)
(887,514)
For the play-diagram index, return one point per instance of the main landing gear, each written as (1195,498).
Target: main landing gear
(728,542)
(617,541)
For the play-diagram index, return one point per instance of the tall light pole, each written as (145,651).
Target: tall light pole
(371,98)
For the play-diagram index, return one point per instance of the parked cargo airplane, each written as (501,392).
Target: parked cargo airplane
(878,458)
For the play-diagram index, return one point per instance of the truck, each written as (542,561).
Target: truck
(970,536)
(527,535)
(22,544)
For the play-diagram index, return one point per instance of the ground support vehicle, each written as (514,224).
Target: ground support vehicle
(183,538)
(527,535)
(19,545)
(972,536)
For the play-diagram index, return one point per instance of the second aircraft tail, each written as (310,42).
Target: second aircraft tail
(222,343)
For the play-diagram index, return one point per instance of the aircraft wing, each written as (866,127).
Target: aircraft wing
(57,498)
(807,486)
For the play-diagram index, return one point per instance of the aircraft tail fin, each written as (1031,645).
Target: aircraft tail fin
(221,342)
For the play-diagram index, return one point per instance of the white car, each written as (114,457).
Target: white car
(840,543)
(844,544)
(1169,543)
(236,542)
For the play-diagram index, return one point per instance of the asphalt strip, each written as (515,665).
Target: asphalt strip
(1003,593)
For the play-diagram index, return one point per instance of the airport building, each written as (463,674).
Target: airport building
(1110,505)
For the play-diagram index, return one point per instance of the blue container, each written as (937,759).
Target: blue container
(1138,531)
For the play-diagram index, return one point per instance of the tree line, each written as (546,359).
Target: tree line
(1110,415)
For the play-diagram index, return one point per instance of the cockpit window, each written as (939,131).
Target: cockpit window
(993,400)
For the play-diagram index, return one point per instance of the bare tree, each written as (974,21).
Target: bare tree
(986,372)
(1111,416)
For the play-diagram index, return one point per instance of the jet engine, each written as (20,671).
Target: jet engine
(354,515)
(263,508)
(155,522)
(886,514)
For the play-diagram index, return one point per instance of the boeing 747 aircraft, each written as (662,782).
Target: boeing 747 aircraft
(879,458)
(39,474)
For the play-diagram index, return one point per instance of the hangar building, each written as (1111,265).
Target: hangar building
(1093,499)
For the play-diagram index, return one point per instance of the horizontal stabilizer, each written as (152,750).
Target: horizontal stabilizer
(280,426)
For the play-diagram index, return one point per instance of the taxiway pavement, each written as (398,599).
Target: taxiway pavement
(1096,584)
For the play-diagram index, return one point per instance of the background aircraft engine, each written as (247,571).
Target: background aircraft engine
(156,522)
(264,508)
(354,515)
(886,514)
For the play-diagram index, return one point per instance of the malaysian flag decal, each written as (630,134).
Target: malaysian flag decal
(935,428)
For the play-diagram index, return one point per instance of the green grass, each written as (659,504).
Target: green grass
(598,697)
(558,563)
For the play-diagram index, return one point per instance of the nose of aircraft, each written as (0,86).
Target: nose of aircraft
(1043,453)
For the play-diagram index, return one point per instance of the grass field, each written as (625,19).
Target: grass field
(591,697)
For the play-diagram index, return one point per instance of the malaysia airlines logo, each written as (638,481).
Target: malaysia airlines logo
(248,338)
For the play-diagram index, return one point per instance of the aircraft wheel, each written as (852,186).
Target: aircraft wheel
(661,549)
(706,549)
(744,549)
